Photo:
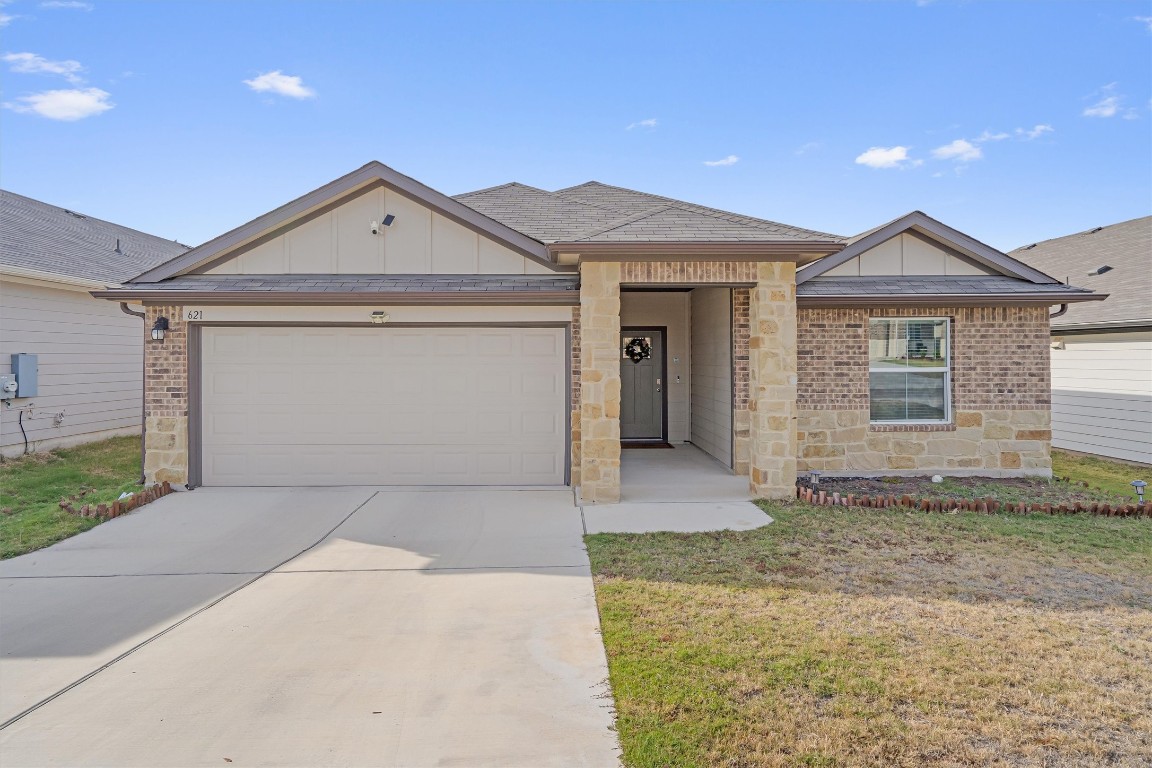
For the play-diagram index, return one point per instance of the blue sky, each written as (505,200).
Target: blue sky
(1012,121)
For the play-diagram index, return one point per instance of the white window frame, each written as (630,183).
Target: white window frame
(946,370)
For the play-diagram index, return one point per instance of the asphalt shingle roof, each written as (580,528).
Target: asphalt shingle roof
(39,236)
(1126,247)
(927,286)
(595,212)
(366,283)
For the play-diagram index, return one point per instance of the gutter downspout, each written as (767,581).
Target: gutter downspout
(143,386)
(1057,313)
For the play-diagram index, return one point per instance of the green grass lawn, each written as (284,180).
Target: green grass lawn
(31,488)
(862,637)
(1112,476)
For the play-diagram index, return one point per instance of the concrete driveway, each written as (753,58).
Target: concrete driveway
(309,627)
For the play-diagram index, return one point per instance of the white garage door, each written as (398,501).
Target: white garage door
(384,406)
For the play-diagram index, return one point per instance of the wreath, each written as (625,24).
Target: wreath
(638,349)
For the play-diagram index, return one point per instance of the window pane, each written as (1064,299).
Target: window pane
(912,396)
(926,397)
(928,343)
(887,344)
(888,394)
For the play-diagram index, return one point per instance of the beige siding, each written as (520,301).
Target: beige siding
(906,255)
(90,356)
(712,372)
(1102,395)
(671,310)
(340,241)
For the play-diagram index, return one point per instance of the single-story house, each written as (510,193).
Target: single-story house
(1102,353)
(82,358)
(376,331)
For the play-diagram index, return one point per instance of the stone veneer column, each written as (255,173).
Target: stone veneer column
(772,373)
(166,398)
(600,382)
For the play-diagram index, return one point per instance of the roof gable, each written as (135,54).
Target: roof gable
(344,191)
(929,230)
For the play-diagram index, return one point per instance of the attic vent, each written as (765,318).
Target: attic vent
(73,213)
(1101,270)
(118,246)
(1028,247)
(1094,231)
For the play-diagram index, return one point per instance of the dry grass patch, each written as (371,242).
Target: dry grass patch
(842,638)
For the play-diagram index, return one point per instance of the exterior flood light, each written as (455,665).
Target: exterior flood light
(159,328)
(379,317)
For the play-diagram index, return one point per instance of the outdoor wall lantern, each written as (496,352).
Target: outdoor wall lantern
(159,328)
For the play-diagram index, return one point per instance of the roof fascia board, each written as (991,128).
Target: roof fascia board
(55,279)
(374,172)
(695,251)
(936,231)
(1115,325)
(1045,298)
(359,298)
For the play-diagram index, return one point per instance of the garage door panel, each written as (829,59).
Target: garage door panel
(328,406)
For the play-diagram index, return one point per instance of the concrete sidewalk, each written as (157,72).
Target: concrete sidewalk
(429,628)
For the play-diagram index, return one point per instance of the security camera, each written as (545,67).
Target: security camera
(375,228)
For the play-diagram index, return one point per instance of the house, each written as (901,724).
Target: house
(83,379)
(378,332)
(1102,353)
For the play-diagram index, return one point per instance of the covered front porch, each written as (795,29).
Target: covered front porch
(704,407)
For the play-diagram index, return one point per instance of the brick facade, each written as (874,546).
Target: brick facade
(166,398)
(1000,395)
(741,416)
(687,272)
(575,394)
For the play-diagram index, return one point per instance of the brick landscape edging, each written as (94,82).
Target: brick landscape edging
(987,506)
(120,506)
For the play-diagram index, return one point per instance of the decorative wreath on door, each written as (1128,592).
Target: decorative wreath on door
(638,349)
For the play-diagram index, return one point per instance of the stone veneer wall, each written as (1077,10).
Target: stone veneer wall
(772,364)
(166,398)
(1000,395)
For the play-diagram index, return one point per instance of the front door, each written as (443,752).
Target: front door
(642,385)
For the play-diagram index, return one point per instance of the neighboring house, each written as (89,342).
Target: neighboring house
(378,332)
(1102,353)
(88,352)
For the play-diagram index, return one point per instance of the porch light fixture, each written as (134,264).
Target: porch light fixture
(159,328)
(379,317)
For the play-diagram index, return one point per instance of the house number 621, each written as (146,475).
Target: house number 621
(195,314)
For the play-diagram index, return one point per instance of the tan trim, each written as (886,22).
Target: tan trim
(505,298)
(52,279)
(945,300)
(701,251)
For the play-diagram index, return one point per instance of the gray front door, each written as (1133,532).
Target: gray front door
(642,388)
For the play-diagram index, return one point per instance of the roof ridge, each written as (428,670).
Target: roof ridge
(618,223)
(89,217)
(731,216)
(1091,231)
(499,186)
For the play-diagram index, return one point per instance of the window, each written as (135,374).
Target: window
(908,370)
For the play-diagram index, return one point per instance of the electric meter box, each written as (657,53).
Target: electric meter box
(24,368)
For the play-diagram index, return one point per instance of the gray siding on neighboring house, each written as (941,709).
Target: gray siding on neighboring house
(1102,394)
(712,372)
(90,356)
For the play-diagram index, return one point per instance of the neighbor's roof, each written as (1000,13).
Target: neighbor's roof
(597,213)
(939,290)
(1126,247)
(43,238)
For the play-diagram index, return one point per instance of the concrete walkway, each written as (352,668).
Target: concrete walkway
(683,473)
(310,627)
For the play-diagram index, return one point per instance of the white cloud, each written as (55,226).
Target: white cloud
(649,123)
(1034,133)
(66,105)
(804,149)
(1146,20)
(278,82)
(33,64)
(6,19)
(730,160)
(887,157)
(989,136)
(70,4)
(1109,105)
(960,150)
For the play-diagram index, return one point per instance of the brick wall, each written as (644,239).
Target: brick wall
(688,272)
(575,405)
(741,416)
(166,399)
(1000,396)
